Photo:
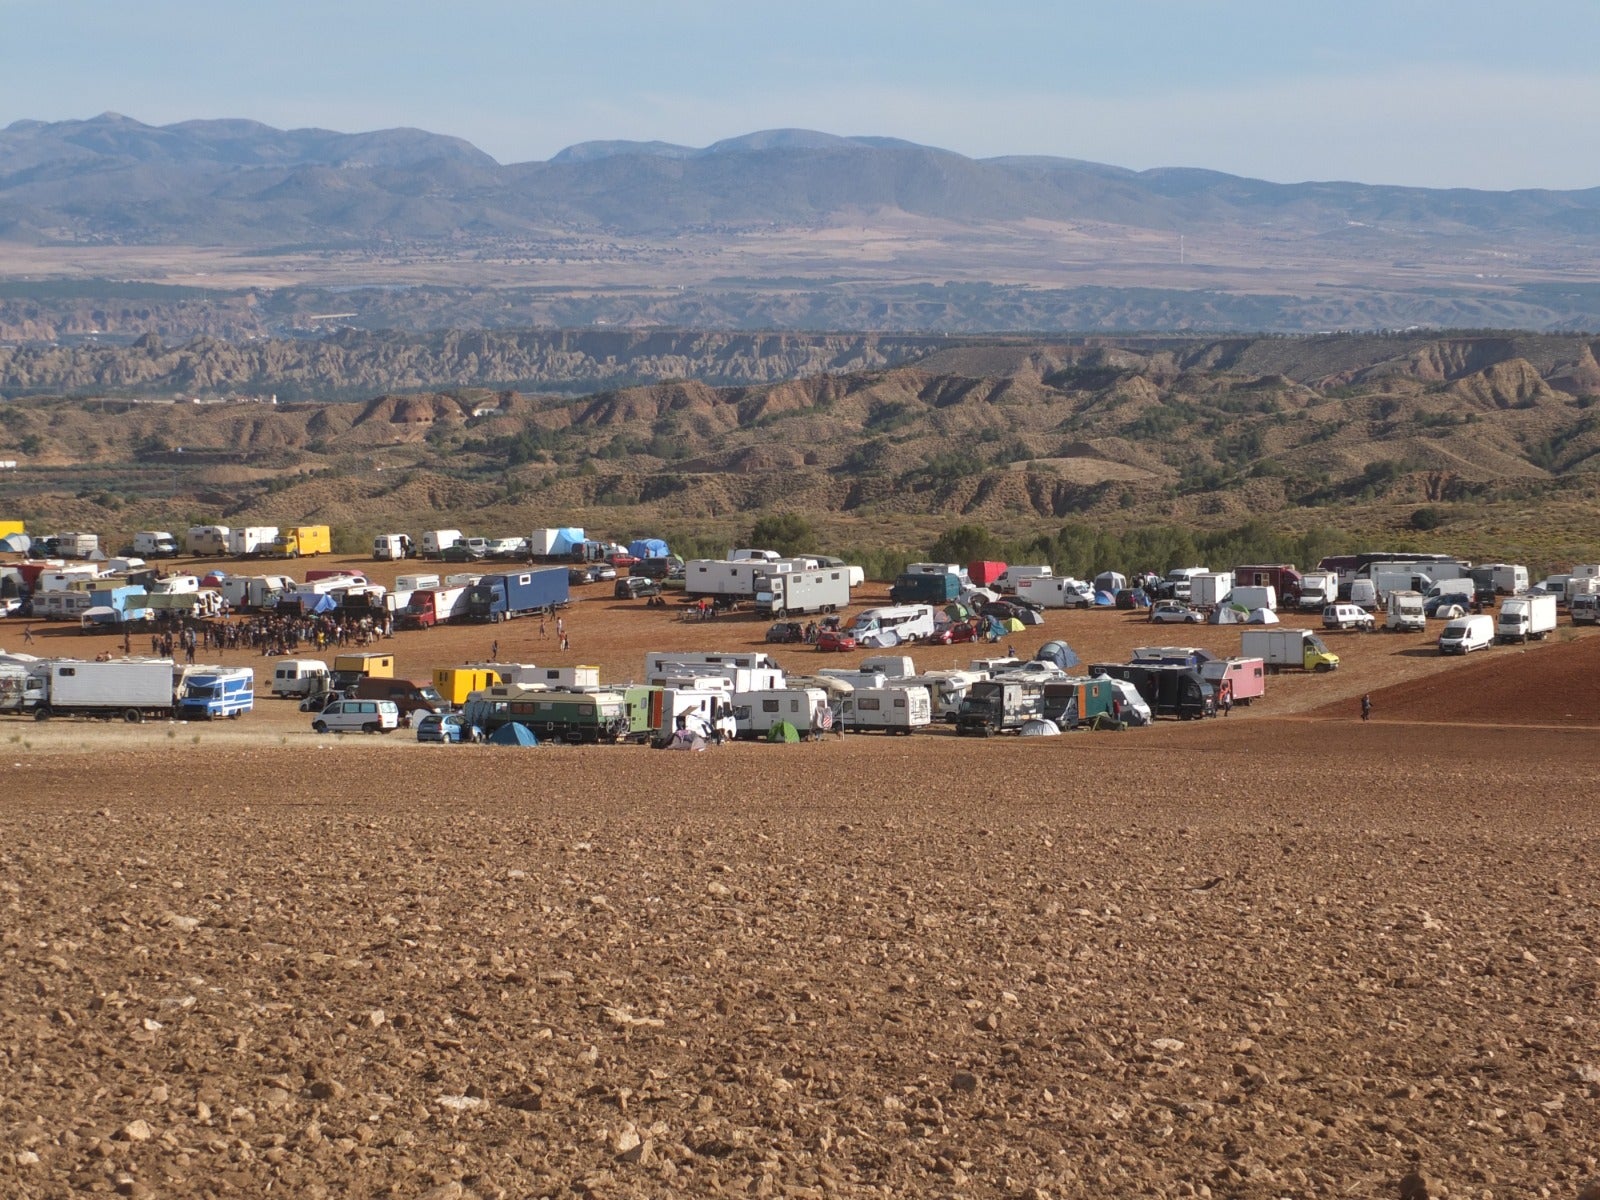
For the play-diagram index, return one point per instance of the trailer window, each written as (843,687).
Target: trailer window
(867,704)
(770,706)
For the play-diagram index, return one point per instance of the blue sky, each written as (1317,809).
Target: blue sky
(1427,92)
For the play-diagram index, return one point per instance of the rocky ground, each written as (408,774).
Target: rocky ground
(1281,954)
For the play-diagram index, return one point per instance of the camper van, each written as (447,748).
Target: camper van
(898,709)
(755,713)
(893,625)
(298,676)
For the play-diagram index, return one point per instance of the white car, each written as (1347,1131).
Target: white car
(358,716)
(1170,612)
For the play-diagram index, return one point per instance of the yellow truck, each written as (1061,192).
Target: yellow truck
(302,541)
(455,684)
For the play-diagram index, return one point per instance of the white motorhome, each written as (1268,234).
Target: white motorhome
(946,689)
(784,593)
(704,711)
(155,543)
(898,709)
(1049,591)
(733,577)
(298,676)
(892,666)
(1404,613)
(756,712)
(252,539)
(748,555)
(255,591)
(893,625)
(206,541)
(66,579)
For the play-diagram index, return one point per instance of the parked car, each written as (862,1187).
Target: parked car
(601,573)
(447,727)
(835,639)
(364,716)
(461,552)
(952,634)
(577,575)
(786,631)
(320,701)
(622,559)
(1347,616)
(634,587)
(1172,612)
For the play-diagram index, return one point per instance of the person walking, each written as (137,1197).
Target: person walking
(1227,699)
(1366,706)
(494,650)
(541,624)
(27,633)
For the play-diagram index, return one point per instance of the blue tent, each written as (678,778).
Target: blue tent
(311,603)
(648,548)
(513,734)
(16,543)
(1059,653)
(1104,600)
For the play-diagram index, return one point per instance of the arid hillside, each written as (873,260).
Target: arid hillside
(1488,442)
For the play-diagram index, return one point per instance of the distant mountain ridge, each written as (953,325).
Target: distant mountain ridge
(779,229)
(232,181)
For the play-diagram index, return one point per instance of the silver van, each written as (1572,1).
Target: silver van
(358,716)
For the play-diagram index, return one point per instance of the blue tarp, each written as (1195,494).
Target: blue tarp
(648,548)
(310,602)
(513,734)
(568,540)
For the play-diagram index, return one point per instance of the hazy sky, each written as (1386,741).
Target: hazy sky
(1429,92)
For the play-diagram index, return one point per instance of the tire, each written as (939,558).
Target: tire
(133,716)
(370,727)
(42,713)
(1323,668)
(319,726)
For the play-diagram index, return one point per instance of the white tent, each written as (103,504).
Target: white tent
(1263,616)
(1039,727)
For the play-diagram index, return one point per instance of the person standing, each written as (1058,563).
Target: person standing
(541,623)
(1366,706)
(494,650)
(1227,698)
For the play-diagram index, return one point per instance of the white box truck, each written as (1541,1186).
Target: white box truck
(1210,588)
(1524,617)
(132,688)
(1300,649)
(1318,589)
(1254,596)
(252,539)
(436,541)
(1051,591)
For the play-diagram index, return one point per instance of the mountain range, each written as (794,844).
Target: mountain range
(843,225)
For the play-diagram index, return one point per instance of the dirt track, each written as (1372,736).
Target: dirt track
(1251,957)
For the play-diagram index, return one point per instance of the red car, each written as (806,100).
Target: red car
(833,639)
(621,559)
(954,634)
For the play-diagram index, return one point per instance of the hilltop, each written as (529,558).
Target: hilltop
(1488,444)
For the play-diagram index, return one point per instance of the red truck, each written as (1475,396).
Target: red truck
(433,606)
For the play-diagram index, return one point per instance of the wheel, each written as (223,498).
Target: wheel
(42,713)
(370,727)
(133,716)
(320,726)
(1323,668)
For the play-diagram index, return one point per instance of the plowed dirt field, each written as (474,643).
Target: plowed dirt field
(1283,953)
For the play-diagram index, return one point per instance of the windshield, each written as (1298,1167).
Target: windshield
(1317,644)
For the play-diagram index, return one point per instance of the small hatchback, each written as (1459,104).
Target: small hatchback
(1347,616)
(363,716)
